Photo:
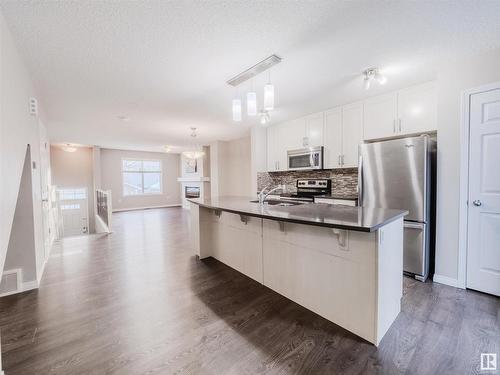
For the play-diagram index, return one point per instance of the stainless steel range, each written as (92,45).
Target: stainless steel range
(307,189)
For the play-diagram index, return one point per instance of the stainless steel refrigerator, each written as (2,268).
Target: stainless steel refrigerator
(399,173)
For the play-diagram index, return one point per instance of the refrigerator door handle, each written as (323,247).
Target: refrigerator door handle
(408,224)
(360,181)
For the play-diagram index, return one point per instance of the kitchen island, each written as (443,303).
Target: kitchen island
(344,263)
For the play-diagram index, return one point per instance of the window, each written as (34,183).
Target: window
(72,194)
(141,177)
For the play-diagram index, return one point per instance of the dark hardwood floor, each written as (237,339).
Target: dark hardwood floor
(139,302)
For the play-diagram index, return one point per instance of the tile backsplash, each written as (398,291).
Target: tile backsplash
(344,181)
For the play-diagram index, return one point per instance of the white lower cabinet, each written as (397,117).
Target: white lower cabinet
(234,243)
(352,278)
(307,265)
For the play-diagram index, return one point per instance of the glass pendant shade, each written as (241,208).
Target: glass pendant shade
(269,97)
(236,110)
(193,154)
(251,104)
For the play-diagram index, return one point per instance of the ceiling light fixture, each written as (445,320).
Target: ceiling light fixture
(269,94)
(197,151)
(373,74)
(236,109)
(69,148)
(252,102)
(264,117)
(251,97)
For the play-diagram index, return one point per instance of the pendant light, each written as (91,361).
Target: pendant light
(252,102)
(196,152)
(236,109)
(269,94)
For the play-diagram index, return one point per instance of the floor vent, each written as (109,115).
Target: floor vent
(10,283)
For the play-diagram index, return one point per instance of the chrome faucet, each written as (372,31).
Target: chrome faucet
(263,194)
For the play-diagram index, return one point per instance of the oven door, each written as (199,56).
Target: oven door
(305,159)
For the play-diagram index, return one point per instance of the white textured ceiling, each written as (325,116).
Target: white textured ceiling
(164,64)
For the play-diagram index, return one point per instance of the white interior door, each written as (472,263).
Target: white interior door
(73,204)
(483,250)
(45,191)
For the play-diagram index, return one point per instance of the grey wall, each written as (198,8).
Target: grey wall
(111,179)
(454,77)
(21,251)
(231,167)
(74,169)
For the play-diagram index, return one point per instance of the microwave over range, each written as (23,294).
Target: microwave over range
(305,158)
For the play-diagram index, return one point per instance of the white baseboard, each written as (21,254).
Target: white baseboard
(146,208)
(446,281)
(29,285)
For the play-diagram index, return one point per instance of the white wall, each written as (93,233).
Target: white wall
(22,236)
(231,167)
(17,129)
(111,179)
(453,78)
(74,170)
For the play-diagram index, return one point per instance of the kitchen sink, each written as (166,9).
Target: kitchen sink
(275,202)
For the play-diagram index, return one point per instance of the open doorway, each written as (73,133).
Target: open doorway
(74,211)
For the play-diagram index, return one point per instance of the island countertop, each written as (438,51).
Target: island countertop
(363,219)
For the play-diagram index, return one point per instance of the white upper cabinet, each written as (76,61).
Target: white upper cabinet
(352,133)
(417,109)
(333,138)
(314,125)
(292,134)
(380,116)
(272,149)
(341,129)
(408,111)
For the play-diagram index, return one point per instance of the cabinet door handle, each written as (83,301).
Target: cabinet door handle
(339,161)
(394,126)
(400,127)
(343,162)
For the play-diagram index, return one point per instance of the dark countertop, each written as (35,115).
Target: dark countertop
(344,197)
(363,219)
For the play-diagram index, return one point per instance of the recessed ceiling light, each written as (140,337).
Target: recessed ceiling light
(124,118)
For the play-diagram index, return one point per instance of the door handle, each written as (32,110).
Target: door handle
(477,203)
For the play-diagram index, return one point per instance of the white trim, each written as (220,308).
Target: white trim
(29,285)
(147,208)
(461,281)
(193,179)
(446,280)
